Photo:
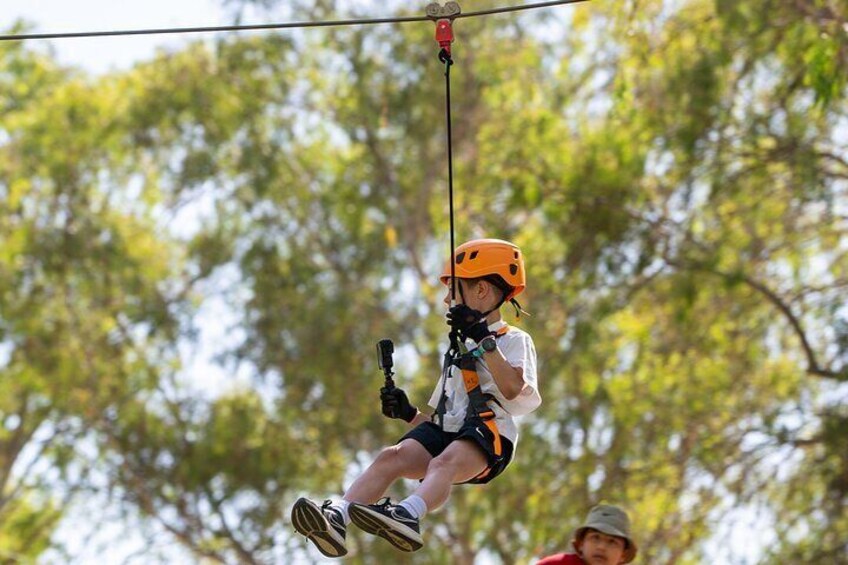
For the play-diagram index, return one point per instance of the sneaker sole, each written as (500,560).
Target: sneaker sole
(308,519)
(374,523)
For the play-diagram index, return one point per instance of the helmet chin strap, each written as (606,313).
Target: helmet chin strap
(518,309)
(487,312)
(500,303)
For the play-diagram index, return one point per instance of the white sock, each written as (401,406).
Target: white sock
(415,505)
(343,505)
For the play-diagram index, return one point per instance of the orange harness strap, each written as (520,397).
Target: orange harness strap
(478,402)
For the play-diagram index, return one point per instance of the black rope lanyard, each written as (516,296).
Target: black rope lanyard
(445,57)
(444,16)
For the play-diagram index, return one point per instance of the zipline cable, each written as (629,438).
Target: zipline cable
(208,29)
(284,25)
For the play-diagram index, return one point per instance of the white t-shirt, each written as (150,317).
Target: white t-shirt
(518,349)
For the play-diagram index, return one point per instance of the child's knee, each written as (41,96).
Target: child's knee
(457,463)
(444,462)
(389,456)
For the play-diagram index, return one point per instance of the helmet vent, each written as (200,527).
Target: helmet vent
(473,255)
(513,269)
(460,258)
(516,254)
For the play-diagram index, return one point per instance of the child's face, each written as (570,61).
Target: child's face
(597,548)
(459,295)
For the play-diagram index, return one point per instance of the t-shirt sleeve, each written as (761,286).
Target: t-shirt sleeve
(520,352)
(437,395)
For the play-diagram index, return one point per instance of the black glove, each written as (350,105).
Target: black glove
(396,404)
(468,322)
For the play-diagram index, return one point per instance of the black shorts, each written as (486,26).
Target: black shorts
(435,440)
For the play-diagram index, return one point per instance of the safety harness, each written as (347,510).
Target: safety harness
(478,401)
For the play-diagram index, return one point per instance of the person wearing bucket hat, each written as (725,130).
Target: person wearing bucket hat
(603,539)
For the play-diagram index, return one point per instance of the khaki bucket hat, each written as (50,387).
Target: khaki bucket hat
(610,520)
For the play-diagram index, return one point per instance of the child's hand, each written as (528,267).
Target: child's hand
(468,322)
(396,404)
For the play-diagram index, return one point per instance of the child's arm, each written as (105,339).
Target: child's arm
(470,323)
(395,404)
(419,418)
(510,380)
(516,351)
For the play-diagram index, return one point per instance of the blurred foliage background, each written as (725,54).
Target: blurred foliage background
(675,171)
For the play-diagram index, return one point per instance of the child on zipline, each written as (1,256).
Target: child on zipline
(488,378)
(603,539)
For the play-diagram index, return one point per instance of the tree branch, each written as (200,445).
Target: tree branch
(813,366)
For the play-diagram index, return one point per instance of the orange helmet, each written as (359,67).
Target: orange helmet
(485,257)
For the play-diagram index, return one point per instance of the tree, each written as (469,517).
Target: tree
(84,319)
(674,174)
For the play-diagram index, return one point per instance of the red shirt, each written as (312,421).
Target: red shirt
(562,559)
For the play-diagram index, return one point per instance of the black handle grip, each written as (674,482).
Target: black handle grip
(385,349)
